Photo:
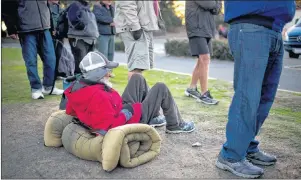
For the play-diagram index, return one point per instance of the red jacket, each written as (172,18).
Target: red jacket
(97,108)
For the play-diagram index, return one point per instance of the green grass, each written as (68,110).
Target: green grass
(15,89)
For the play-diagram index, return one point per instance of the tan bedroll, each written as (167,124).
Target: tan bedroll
(129,145)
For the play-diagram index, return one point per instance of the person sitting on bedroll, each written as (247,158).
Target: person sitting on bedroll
(97,105)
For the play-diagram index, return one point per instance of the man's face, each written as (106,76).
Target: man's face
(107,2)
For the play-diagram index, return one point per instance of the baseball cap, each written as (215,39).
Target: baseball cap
(94,66)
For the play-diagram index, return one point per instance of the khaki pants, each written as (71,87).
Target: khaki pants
(140,53)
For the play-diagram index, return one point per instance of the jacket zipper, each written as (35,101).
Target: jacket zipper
(40,13)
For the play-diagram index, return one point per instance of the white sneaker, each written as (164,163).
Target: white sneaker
(55,91)
(37,95)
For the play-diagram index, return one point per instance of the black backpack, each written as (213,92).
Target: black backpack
(62,25)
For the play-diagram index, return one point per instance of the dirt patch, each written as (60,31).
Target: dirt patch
(24,155)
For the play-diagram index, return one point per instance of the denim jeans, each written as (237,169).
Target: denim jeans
(258,57)
(34,43)
(106,45)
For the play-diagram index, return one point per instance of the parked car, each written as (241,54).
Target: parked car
(292,40)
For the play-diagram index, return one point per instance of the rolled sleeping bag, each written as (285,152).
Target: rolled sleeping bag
(54,127)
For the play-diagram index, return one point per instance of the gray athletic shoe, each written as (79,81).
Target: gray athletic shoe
(242,168)
(193,92)
(206,98)
(158,121)
(262,158)
(185,127)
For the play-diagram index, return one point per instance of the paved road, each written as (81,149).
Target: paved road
(290,78)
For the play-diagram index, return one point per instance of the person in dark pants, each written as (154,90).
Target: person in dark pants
(93,101)
(83,31)
(104,13)
(256,43)
(29,20)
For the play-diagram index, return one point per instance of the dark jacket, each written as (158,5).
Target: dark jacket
(199,17)
(82,22)
(97,107)
(55,10)
(104,18)
(281,12)
(26,15)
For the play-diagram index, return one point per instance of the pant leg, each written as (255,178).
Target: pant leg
(103,44)
(111,49)
(136,90)
(269,88)
(47,54)
(150,43)
(28,43)
(160,96)
(79,51)
(137,51)
(250,45)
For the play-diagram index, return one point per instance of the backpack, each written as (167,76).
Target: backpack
(62,25)
(65,63)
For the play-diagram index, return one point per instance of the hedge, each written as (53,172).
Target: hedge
(220,48)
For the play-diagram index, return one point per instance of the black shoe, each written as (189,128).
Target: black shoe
(192,92)
(206,98)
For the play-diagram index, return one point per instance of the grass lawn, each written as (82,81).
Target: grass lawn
(285,116)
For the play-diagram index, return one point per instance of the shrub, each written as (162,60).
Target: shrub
(220,48)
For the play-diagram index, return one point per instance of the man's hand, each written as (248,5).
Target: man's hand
(53,33)
(112,24)
(14,36)
(137,34)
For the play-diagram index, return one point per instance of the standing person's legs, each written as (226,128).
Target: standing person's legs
(137,52)
(29,44)
(251,46)
(268,93)
(79,49)
(47,54)
(201,48)
(149,37)
(111,50)
(102,44)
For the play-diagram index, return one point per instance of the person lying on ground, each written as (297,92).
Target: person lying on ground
(96,104)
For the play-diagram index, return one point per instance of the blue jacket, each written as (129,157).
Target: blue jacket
(104,18)
(281,11)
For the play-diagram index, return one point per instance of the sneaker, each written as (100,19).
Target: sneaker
(242,168)
(206,98)
(185,127)
(37,94)
(55,91)
(158,121)
(262,158)
(192,92)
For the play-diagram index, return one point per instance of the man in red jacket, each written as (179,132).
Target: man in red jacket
(98,106)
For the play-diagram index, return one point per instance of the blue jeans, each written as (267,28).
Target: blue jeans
(34,43)
(106,45)
(258,57)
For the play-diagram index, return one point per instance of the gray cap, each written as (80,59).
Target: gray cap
(95,66)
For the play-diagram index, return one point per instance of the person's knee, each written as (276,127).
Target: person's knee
(204,59)
(160,85)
